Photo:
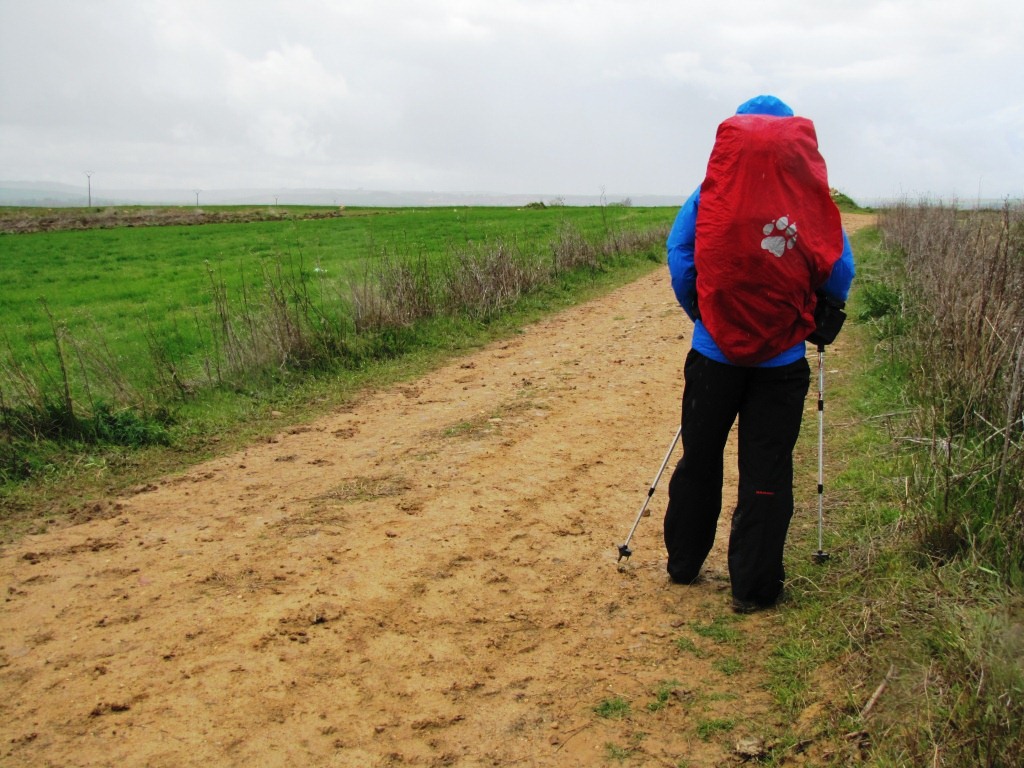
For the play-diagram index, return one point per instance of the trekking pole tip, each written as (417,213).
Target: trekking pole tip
(820,557)
(624,552)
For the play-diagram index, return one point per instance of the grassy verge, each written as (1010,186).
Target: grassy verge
(909,641)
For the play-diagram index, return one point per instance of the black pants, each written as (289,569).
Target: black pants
(769,403)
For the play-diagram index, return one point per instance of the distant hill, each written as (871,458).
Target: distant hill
(41,193)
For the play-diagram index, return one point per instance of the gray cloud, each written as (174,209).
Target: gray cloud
(522,96)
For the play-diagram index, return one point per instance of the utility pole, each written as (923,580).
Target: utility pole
(88,176)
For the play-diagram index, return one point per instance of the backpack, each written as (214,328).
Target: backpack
(767,236)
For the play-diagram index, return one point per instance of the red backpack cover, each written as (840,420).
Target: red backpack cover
(768,234)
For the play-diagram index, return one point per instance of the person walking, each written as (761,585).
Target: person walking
(751,253)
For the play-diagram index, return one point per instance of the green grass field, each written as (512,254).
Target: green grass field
(116,338)
(128,289)
(127,282)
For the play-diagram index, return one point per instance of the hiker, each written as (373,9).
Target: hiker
(747,253)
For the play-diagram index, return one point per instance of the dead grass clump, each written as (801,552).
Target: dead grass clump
(368,488)
(571,250)
(483,280)
(395,292)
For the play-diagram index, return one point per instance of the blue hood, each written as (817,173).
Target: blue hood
(765,105)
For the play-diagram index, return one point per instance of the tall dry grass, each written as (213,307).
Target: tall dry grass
(949,619)
(965,295)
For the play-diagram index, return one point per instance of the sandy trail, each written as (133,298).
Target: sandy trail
(426,578)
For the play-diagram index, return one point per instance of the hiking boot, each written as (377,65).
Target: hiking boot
(698,579)
(750,606)
(744,606)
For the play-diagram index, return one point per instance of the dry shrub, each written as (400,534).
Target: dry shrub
(571,250)
(966,272)
(267,326)
(395,292)
(635,240)
(965,346)
(483,280)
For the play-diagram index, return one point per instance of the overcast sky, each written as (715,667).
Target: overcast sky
(910,97)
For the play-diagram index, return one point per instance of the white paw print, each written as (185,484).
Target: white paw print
(784,236)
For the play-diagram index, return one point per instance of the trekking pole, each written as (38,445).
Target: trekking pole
(624,550)
(821,556)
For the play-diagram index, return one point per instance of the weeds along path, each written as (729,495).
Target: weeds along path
(427,578)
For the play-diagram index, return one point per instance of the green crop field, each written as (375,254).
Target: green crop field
(127,282)
(117,331)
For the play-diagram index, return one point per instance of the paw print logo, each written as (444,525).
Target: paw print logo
(779,235)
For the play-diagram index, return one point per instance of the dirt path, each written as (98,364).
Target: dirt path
(428,578)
